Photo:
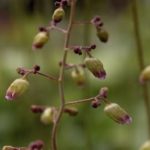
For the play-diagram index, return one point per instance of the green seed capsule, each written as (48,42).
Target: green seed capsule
(102,35)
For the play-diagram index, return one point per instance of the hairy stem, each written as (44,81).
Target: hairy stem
(61,77)
(141,58)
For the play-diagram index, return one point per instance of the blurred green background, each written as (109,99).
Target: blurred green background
(91,129)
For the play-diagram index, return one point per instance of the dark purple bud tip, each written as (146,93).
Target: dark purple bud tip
(95,103)
(125,120)
(104,92)
(64,2)
(36,145)
(93,46)
(96,19)
(57,4)
(36,68)
(21,71)
(37,109)
(41,29)
(100,74)
(77,50)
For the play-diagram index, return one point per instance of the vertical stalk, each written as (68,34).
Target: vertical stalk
(140,57)
(61,76)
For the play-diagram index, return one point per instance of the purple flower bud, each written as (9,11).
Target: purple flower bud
(103,92)
(117,113)
(93,46)
(96,103)
(96,67)
(37,109)
(17,88)
(36,145)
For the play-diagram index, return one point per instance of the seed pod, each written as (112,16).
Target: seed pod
(17,88)
(40,40)
(117,113)
(47,116)
(102,35)
(58,15)
(78,76)
(96,67)
(145,74)
(145,146)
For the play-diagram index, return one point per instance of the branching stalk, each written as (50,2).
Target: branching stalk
(140,58)
(61,77)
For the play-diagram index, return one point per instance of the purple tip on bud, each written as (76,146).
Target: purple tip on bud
(103,92)
(17,88)
(95,103)
(95,66)
(117,113)
(36,145)
(37,109)
(93,46)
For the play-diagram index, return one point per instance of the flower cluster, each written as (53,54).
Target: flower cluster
(52,114)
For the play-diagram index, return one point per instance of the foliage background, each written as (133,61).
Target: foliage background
(91,129)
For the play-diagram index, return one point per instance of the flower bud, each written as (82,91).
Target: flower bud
(102,35)
(36,145)
(78,76)
(40,39)
(103,92)
(47,116)
(96,67)
(17,88)
(72,111)
(58,15)
(117,113)
(145,74)
(145,146)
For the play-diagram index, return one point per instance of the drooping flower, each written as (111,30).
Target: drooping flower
(58,15)
(40,39)
(78,76)
(145,74)
(47,116)
(102,35)
(16,88)
(95,66)
(117,113)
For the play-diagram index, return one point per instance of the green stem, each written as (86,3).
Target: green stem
(61,77)
(141,58)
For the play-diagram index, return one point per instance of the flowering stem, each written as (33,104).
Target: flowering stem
(140,58)
(61,77)
(80,101)
(47,76)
